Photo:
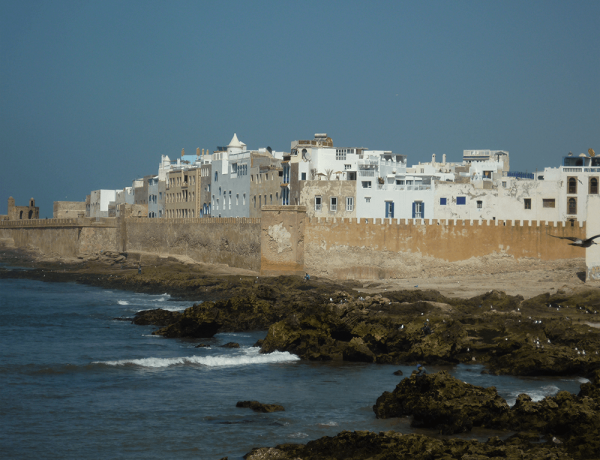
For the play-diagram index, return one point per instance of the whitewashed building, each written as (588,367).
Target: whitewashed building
(99,200)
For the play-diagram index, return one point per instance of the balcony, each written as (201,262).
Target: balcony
(403,188)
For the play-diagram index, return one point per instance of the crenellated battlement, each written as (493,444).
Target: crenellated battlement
(194,220)
(445,222)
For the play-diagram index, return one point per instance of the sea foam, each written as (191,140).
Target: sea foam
(208,361)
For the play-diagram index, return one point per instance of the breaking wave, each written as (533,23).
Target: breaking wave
(536,395)
(208,361)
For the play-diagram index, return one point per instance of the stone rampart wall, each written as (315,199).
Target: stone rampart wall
(231,241)
(347,249)
(287,241)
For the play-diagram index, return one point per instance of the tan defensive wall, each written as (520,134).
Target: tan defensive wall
(231,241)
(348,249)
(63,237)
(285,241)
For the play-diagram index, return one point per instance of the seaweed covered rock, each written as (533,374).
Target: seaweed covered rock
(260,407)
(156,317)
(444,403)
(573,419)
(362,445)
(207,318)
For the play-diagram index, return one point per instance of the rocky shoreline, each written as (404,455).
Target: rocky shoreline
(546,335)
(564,426)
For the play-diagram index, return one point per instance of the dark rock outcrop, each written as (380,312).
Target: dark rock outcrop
(231,345)
(156,317)
(444,403)
(362,445)
(260,407)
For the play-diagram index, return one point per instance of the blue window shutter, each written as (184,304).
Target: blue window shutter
(423,210)
(414,205)
(387,209)
(392,209)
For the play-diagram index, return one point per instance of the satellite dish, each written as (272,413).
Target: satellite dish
(270,150)
(591,152)
(305,155)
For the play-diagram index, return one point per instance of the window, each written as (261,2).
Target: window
(367,199)
(418,210)
(593,186)
(461,200)
(271,199)
(318,201)
(349,203)
(479,204)
(340,154)
(303,176)
(400,182)
(504,184)
(333,204)
(229,199)
(346,167)
(442,201)
(572,206)
(216,176)
(366,184)
(572,185)
(527,202)
(389,209)
(244,199)
(548,202)
(237,199)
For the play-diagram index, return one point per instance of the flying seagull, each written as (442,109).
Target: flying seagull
(578,241)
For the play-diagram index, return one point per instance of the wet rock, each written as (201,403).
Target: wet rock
(360,445)
(190,328)
(156,317)
(260,407)
(202,345)
(444,403)
(231,345)
(398,372)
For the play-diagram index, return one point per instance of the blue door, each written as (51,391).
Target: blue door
(389,209)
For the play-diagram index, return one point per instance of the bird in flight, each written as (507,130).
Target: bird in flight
(578,241)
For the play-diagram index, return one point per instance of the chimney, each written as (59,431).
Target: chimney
(197,151)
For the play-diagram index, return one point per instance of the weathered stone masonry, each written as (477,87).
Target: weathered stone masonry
(284,240)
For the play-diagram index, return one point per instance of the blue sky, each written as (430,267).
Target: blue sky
(93,93)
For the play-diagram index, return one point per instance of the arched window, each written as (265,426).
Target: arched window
(30,213)
(572,205)
(572,185)
(594,185)
(21,215)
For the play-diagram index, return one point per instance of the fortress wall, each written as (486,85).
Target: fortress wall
(286,241)
(63,241)
(231,241)
(347,249)
(64,237)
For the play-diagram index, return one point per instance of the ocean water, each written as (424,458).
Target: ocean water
(76,383)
